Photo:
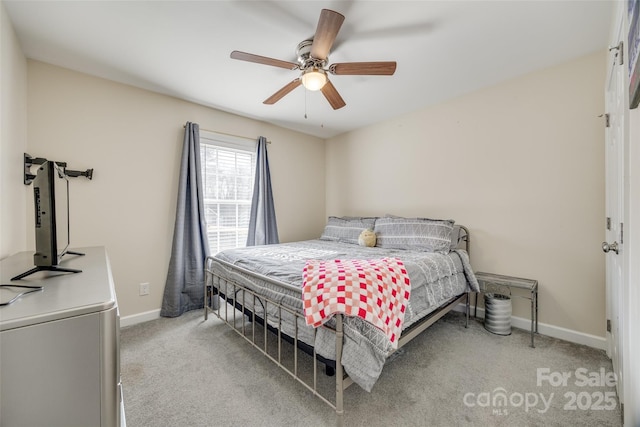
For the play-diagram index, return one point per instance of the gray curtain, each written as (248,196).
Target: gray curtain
(183,290)
(263,229)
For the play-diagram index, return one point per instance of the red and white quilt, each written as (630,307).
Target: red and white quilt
(376,290)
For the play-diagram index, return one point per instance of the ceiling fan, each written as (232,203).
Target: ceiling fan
(313,60)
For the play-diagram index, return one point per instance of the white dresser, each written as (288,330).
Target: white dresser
(60,347)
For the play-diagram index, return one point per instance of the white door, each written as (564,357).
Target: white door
(613,246)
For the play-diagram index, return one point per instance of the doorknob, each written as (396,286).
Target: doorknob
(606,247)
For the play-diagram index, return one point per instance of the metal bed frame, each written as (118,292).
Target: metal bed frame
(235,308)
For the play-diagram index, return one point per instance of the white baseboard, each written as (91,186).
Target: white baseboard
(549,330)
(517,322)
(139,318)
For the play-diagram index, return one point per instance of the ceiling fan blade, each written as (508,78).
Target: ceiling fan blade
(243,56)
(330,92)
(364,68)
(328,26)
(282,92)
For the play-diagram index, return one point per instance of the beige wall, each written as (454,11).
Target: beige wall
(13,139)
(133,140)
(521,164)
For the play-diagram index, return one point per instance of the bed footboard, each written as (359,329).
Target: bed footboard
(236,306)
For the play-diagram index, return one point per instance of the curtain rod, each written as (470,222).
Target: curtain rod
(228,134)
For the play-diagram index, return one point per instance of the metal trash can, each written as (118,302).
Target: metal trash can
(497,313)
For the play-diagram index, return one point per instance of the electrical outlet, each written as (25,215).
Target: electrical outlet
(144,288)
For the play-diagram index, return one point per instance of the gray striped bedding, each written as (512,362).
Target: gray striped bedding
(435,279)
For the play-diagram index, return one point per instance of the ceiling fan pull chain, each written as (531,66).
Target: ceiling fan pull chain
(305,103)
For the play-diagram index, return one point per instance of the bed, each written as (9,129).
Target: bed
(265,287)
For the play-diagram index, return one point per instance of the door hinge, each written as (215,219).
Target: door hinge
(621,233)
(607,120)
(608,223)
(608,325)
(620,52)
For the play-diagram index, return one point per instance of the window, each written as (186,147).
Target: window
(228,169)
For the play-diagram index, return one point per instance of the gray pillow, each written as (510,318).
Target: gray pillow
(346,229)
(422,234)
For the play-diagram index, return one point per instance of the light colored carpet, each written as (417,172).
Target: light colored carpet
(190,372)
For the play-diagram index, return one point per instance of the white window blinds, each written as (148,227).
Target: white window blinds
(228,172)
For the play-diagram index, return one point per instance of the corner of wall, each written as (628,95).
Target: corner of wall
(13,139)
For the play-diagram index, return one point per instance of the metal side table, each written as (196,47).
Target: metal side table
(490,282)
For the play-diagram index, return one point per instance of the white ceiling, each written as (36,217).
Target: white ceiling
(181,48)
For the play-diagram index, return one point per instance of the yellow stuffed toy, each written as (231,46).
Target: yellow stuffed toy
(367,238)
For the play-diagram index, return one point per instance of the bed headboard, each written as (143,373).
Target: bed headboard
(463,238)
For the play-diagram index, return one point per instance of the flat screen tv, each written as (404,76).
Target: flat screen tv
(51,204)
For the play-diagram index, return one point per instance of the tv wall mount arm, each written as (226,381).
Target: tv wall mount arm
(30,161)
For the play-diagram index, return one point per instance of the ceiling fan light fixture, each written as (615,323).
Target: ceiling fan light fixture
(314,79)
